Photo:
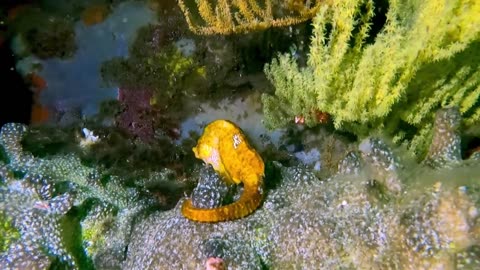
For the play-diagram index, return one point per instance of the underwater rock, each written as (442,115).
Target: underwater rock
(469,258)
(445,147)
(381,162)
(303,221)
(95,14)
(211,189)
(55,39)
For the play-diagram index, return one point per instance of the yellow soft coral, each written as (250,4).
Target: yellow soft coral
(227,17)
(225,147)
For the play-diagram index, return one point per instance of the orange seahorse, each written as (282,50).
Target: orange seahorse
(225,147)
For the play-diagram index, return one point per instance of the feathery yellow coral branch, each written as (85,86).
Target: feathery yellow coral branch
(240,16)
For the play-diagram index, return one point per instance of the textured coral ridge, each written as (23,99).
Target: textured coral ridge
(224,146)
(424,217)
(37,216)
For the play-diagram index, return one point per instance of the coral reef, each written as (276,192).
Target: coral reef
(35,210)
(424,58)
(109,199)
(376,213)
(8,233)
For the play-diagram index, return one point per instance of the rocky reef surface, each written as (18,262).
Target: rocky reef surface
(380,211)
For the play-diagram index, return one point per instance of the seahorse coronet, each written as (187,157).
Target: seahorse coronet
(226,148)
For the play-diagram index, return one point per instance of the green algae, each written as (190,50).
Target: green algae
(8,233)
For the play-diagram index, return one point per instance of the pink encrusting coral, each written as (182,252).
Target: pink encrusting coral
(135,115)
(142,119)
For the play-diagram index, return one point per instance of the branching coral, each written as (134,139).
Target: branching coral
(31,200)
(425,57)
(28,202)
(240,16)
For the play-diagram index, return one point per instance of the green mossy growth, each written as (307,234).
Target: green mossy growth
(157,65)
(8,233)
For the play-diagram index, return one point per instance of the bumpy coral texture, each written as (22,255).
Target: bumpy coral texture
(224,146)
(36,213)
(343,222)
